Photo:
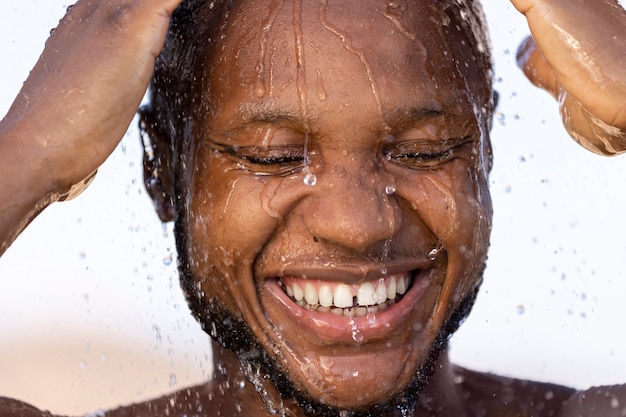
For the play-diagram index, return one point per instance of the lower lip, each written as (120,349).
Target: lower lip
(332,328)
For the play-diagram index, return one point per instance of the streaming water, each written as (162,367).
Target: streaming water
(262,79)
(357,336)
(395,12)
(253,375)
(371,316)
(347,44)
(384,256)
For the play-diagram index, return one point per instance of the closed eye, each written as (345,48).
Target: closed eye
(279,160)
(424,154)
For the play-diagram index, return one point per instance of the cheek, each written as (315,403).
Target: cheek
(454,204)
(227,225)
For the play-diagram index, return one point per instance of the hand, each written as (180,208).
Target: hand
(85,89)
(577,53)
(77,103)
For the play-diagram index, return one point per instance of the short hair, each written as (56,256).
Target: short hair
(173,92)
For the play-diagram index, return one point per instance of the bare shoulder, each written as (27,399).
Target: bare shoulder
(15,408)
(493,395)
(608,401)
(217,397)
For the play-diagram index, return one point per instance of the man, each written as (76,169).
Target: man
(326,165)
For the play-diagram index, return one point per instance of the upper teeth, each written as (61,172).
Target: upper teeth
(366,294)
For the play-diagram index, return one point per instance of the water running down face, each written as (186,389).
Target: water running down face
(333,190)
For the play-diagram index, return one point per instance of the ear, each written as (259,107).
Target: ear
(158,175)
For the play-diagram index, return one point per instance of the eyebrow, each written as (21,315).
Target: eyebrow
(261,115)
(403,115)
(254,115)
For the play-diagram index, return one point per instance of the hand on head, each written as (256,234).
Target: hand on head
(77,103)
(576,53)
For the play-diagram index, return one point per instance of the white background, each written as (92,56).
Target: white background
(91,315)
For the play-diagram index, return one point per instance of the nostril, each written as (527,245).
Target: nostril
(316,239)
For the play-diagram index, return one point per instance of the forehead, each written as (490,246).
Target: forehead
(369,55)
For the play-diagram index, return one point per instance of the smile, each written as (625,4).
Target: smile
(331,310)
(346,300)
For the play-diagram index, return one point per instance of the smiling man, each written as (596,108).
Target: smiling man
(326,164)
(337,213)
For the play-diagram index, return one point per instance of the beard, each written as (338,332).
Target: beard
(258,365)
(233,333)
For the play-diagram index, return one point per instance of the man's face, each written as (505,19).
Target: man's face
(336,188)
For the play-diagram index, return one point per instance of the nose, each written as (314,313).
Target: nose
(354,210)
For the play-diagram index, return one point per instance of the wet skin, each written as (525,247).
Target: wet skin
(400,156)
(377,93)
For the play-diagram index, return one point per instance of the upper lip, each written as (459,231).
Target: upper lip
(349,272)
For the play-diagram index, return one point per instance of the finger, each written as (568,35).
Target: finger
(522,6)
(535,67)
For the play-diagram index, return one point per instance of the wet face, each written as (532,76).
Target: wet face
(336,187)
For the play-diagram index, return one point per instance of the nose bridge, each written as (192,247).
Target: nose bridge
(353,206)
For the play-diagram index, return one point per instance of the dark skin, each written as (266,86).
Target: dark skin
(259,217)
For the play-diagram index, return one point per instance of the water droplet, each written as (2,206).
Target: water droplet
(357,336)
(371,316)
(391,189)
(383,271)
(310,179)
(615,403)
(521,309)
(167,261)
(432,255)
(259,87)
(173,380)
(355,373)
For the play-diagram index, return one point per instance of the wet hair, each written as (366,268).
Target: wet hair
(177,78)
(175,93)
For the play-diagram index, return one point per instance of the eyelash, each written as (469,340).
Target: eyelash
(419,154)
(288,160)
(280,161)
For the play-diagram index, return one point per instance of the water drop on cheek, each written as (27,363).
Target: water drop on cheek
(432,255)
(309,179)
(390,189)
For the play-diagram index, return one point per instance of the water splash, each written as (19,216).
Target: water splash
(371,316)
(434,254)
(258,381)
(357,336)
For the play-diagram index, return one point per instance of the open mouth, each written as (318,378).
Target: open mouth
(357,300)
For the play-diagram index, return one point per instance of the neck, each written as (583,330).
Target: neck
(246,393)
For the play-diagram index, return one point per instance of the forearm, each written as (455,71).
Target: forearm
(25,189)
(76,104)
